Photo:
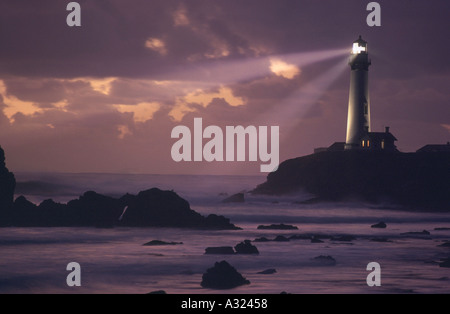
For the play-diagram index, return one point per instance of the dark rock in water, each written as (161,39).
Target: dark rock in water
(246,247)
(424,232)
(445,263)
(394,176)
(158,242)
(315,240)
(281,238)
(441,229)
(380,225)
(344,238)
(150,208)
(262,239)
(236,198)
(219,250)
(278,227)
(223,276)
(269,271)
(300,237)
(382,240)
(445,244)
(325,260)
(158,292)
(7,188)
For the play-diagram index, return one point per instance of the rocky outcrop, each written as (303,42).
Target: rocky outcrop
(246,247)
(223,276)
(159,243)
(150,208)
(7,187)
(277,227)
(220,250)
(380,225)
(412,180)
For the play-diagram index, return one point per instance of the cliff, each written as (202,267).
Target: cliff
(7,187)
(414,180)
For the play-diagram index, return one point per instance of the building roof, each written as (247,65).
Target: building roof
(435,148)
(379,136)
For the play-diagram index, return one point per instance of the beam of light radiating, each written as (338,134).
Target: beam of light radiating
(225,72)
(292,109)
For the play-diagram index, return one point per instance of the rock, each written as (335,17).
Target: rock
(336,176)
(445,263)
(380,225)
(445,244)
(382,240)
(262,239)
(158,292)
(281,238)
(441,229)
(150,208)
(325,260)
(236,198)
(7,188)
(344,238)
(246,247)
(219,250)
(315,240)
(158,242)
(278,227)
(300,237)
(424,232)
(223,276)
(269,271)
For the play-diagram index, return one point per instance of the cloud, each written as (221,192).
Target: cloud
(203,98)
(142,112)
(281,68)
(157,45)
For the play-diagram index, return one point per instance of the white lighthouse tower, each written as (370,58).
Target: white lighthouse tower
(358,119)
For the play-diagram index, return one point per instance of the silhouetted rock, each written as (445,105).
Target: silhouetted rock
(158,292)
(315,240)
(325,260)
(246,247)
(445,263)
(382,240)
(380,225)
(441,229)
(236,198)
(281,238)
(159,242)
(219,250)
(445,244)
(7,187)
(150,208)
(414,180)
(344,238)
(269,271)
(223,276)
(424,232)
(262,239)
(277,227)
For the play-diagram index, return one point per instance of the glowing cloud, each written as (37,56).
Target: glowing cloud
(281,68)
(180,17)
(123,131)
(15,105)
(102,85)
(142,112)
(200,97)
(157,45)
(446,126)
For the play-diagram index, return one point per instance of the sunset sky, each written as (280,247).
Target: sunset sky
(104,97)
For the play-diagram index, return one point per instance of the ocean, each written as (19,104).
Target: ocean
(34,260)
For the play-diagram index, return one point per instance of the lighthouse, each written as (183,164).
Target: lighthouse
(358,119)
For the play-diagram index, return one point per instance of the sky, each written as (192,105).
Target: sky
(104,97)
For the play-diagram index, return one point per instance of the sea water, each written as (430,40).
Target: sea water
(34,260)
